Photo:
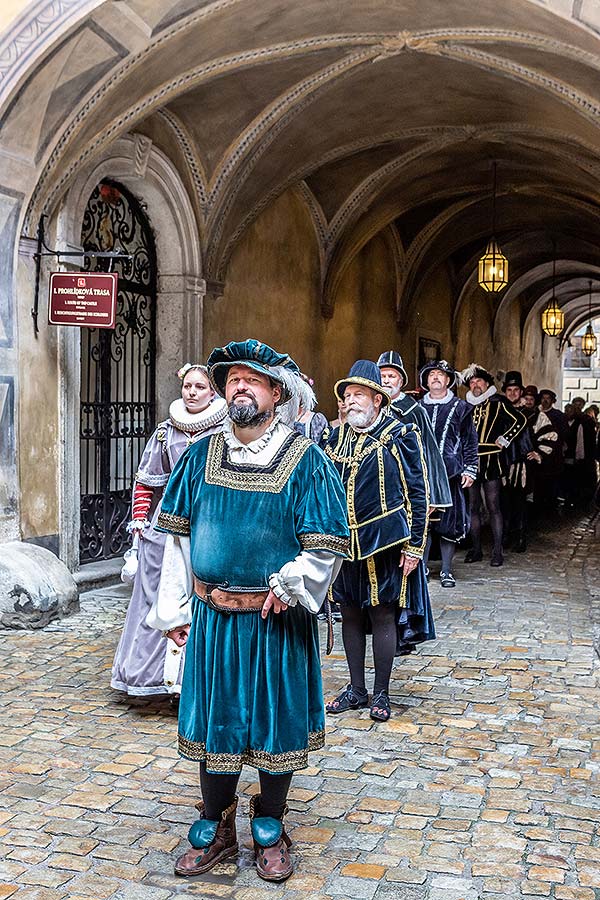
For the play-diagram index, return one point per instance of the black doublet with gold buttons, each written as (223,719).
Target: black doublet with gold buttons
(495,418)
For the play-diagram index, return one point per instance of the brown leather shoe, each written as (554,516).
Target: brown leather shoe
(212,842)
(273,860)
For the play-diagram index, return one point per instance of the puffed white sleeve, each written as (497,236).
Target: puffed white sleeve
(172,605)
(306,578)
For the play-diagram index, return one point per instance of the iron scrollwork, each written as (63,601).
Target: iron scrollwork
(117,372)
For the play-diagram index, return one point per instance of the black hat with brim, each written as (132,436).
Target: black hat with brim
(366,373)
(443,366)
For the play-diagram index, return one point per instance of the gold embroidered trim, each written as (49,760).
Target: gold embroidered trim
(161,435)
(269,479)
(276,763)
(373,581)
(174,524)
(402,600)
(325,542)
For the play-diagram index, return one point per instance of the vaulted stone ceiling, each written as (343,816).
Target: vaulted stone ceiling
(385,117)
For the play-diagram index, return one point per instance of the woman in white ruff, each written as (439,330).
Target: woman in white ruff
(146,662)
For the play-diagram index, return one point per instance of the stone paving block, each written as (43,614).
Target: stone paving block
(484,774)
(36,893)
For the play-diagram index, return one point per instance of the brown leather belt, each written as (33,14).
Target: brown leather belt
(229,601)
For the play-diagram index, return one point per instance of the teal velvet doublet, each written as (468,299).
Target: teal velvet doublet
(251,691)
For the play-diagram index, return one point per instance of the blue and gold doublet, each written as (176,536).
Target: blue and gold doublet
(387,490)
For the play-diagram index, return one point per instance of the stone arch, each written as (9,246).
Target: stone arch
(148,173)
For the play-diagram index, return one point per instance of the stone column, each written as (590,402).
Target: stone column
(180,302)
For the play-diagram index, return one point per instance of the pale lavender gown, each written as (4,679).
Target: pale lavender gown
(146,662)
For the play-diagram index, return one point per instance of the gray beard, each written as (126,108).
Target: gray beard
(361,419)
(248,416)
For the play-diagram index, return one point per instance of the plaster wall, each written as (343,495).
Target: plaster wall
(38,435)
(272,293)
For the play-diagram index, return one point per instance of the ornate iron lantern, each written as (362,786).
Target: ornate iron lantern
(553,318)
(493,265)
(589,341)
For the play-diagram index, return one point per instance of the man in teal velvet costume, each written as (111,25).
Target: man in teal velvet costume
(261,512)
(382,465)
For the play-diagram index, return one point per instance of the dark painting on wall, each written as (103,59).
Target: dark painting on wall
(429,351)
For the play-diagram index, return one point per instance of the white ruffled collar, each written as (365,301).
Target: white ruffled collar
(191,423)
(475,401)
(438,400)
(256,446)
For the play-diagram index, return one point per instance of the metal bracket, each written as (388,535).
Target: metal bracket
(44,250)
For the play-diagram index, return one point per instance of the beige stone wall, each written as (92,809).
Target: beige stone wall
(38,434)
(272,293)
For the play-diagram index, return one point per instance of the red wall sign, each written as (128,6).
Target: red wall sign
(88,299)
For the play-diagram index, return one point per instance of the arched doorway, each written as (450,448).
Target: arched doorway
(117,409)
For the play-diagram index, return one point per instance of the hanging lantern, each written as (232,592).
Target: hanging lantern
(553,319)
(493,265)
(589,341)
(493,268)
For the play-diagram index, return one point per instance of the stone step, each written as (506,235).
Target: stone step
(101,574)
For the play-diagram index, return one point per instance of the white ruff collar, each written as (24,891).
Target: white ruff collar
(437,400)
(191,423)
(259,444)
(475,401)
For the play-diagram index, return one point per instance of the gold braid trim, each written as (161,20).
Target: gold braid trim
(174,524)
(325,542)
(372,572)
(270,479)
(275,763)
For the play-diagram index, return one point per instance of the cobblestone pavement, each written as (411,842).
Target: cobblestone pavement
(484,784)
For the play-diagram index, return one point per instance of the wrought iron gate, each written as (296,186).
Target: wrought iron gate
(117,372)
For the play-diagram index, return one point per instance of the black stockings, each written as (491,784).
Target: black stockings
(447,549)
(218,792)
(383,623)
(491,492)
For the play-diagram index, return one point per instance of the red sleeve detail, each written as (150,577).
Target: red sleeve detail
(142,499)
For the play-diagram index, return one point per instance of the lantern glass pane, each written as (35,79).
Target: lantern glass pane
(553,319)
(589,342)
(493,269)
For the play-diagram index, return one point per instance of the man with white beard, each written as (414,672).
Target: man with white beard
(382,467)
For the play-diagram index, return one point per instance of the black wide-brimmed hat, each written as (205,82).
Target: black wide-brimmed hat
(549,392)
(475,371)
(365,372)
(391,359)
(513,379)
(280,367)
(441,364)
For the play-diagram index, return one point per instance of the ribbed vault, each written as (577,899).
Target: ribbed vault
(384,118)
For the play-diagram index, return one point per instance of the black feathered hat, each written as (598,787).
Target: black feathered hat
(443,366)
(475,371)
